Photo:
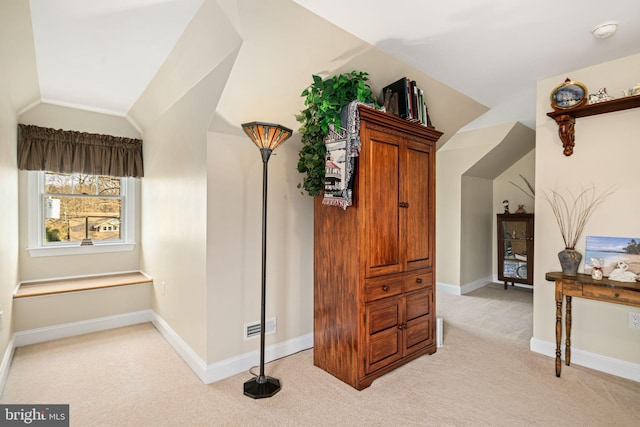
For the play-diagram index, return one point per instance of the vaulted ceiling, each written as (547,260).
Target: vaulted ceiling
(109,50)
(493,51)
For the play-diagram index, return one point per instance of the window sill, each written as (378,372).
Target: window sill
(80,250)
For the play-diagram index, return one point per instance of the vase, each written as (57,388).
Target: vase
(596,273)
(569,261)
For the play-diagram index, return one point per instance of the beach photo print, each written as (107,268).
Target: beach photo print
(611,250)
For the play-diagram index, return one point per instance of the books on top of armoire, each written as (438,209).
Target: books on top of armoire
(405,99)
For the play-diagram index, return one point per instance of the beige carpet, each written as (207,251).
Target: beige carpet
(484,375)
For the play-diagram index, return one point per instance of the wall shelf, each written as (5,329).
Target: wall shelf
(566,118)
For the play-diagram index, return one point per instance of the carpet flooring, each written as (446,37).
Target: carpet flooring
(483,375)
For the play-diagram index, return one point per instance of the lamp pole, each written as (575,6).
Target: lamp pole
(266,153)
(267,137)
(262,386)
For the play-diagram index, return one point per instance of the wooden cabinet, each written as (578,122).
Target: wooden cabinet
(374,291)
(515,248)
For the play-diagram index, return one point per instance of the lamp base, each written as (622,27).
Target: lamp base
(259,390)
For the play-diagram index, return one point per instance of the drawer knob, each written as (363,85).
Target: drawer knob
(385,288)
(617,295)
(419,280)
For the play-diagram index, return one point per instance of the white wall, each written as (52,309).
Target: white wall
(8,217)
(44,311)
(175,113)
(459,154)
(504,190)
(606,154)
(66,118)
(475,235)
(234,255)
(18,88)
(174,204)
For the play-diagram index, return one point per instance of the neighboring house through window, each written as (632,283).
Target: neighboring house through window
(80,213)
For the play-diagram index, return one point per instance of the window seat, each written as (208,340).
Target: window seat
(58,286)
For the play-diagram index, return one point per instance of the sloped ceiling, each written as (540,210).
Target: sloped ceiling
(102,56)
(273,67)
(18,71)
(134,58)
(493,51)
(513,146)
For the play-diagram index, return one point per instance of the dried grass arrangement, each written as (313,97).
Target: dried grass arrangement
(573,211)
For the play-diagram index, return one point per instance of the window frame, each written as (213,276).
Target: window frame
(37,247)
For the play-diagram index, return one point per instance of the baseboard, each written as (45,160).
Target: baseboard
(244,362)
(447,288)
(34,336)
(234,365)
(190,357)
(6,364)
(609,365)
(477,284)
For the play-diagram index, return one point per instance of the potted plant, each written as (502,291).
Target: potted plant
(324,100)
(572,216)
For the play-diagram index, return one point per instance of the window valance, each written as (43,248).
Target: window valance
(65,151)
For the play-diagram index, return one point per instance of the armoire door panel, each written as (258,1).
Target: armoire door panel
(383,315)
(384,336)
(383,217)
(418,334)
(383,348)
(419,209)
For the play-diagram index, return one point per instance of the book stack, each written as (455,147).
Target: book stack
(406,100)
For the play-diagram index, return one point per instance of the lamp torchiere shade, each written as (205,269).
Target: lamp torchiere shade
(267,135)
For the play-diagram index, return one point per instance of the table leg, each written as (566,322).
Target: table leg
(558,329)
(567,347)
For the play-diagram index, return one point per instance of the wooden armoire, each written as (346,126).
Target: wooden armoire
(374,262)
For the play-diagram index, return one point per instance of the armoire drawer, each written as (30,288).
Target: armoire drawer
(417,281)
(382,289)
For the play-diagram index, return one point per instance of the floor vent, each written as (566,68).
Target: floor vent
(252,330)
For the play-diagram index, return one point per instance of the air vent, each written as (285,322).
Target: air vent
(252,330)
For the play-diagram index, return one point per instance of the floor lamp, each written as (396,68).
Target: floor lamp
(267,137)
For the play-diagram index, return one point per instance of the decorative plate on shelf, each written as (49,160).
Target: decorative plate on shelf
(569,94)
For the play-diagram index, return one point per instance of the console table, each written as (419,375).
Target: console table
(583,286)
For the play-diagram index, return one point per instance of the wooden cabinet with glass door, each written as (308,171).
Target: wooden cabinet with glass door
(515,248)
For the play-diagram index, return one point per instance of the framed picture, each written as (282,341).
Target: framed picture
(569,94)
(610,250)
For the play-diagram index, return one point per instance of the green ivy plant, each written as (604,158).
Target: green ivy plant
(324,100)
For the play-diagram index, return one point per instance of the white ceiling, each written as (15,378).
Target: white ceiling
(493,51)
(100,55)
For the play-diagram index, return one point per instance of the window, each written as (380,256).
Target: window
(79,213)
